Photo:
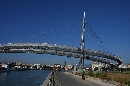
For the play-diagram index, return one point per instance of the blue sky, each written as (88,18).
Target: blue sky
(25,20)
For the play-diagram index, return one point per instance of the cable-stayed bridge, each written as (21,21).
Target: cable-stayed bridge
(63,50)
(53,49)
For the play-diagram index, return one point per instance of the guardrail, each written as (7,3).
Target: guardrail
(51,80)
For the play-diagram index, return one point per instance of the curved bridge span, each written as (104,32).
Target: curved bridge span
(54,49)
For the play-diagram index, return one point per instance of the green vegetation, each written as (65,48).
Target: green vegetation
(77,73)
(91,74)
(102,75)
(127,83)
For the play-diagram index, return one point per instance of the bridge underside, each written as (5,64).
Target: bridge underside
(54,49)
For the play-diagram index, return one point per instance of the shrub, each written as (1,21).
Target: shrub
(108,79)
(97,75)
(127,83)
(101,75)
(75,73)
(104,74)
(91,74)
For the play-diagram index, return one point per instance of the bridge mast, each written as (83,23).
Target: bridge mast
(82,45)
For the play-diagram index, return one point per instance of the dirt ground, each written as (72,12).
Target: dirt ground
(119,77)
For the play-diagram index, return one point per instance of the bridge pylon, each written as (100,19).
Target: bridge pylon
(82,44)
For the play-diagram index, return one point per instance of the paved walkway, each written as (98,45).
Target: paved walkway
(67,79)
(64,79)
(91,82)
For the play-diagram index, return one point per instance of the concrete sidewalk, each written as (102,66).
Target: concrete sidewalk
(91,81)
(68,79)
(63,79)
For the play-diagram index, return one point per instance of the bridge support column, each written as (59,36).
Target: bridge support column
(82,46)
(83,61)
